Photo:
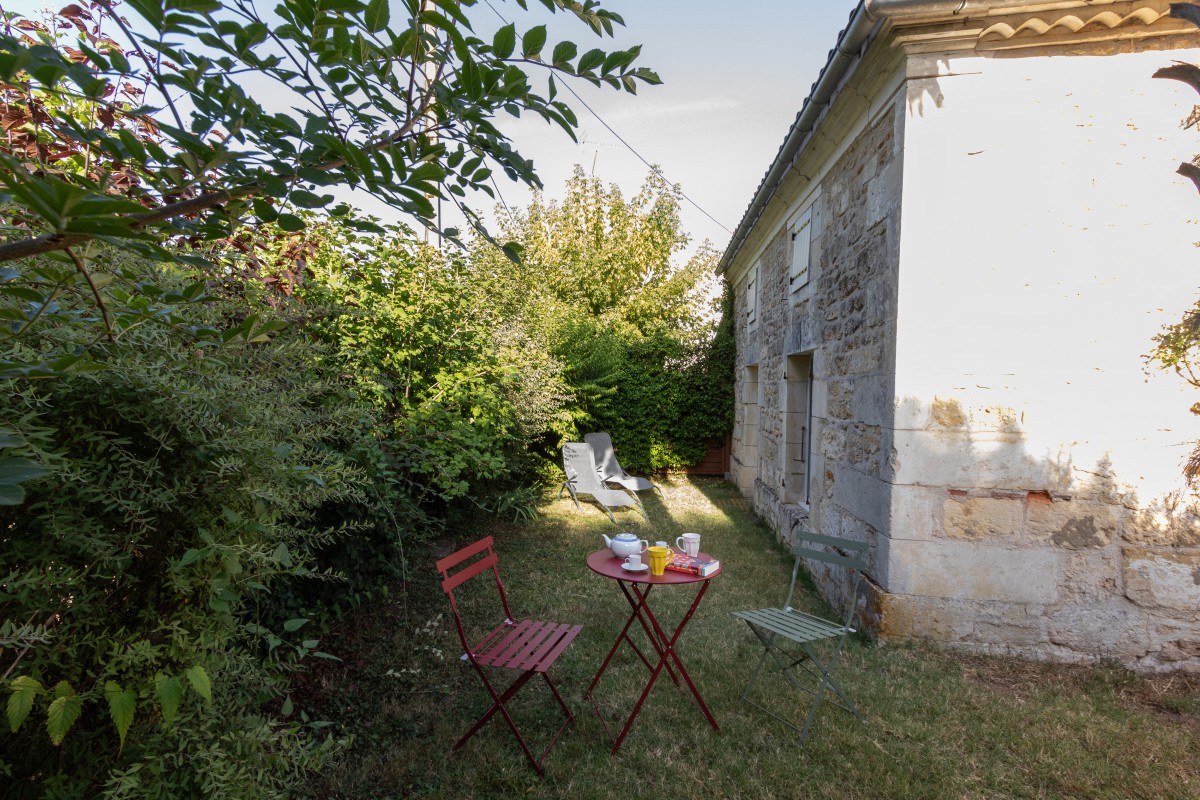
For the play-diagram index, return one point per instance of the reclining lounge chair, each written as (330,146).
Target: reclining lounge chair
(611,470)
(579,464)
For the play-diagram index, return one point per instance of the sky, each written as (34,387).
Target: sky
(734,77)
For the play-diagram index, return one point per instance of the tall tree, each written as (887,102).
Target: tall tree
(605,284)
(599,255)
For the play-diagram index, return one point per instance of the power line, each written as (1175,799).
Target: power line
(653,168)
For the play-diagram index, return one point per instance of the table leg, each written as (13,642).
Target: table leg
(666,651)
(656,638)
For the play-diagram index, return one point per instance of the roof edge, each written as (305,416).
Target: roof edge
(866,19)
(845,52)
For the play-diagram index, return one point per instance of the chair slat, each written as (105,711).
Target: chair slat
(564,640)
(831,541)
(538,660)
(830,558)
(519,655)
(461,577)
(797,626)
(499,651)
(459,556)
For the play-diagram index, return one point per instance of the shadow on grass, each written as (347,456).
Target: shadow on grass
(938,725)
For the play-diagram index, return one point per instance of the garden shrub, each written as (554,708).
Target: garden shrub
(186,481)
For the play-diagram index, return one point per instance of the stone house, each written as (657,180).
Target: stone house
(945,287)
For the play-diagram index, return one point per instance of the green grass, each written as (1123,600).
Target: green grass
(939,725)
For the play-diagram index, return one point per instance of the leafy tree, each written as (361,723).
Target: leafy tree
(136,580)
(405,107)
(601,286)
(141,135)
(463,396)
(203,412)
(613,259)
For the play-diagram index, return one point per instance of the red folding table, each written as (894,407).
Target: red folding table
(603,563)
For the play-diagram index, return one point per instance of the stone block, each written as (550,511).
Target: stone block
(863,497)
(873,400)
(916,512)
(833,442)
(1023,631)
(963,459)
(965,570)
(978,518)
(1092,576)
(1162,580)
(903,616)
(1073,525)
(1113,630)
(840,400)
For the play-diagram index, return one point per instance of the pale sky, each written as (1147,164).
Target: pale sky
(734,77)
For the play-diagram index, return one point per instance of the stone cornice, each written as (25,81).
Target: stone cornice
(1055,27)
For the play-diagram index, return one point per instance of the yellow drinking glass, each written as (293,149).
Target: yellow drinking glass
(659,558)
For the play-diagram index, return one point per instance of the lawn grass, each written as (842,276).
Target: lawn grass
(938,724)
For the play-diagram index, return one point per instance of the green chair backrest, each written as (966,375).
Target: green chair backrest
(841,552)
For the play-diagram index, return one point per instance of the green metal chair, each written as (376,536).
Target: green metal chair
(819,641)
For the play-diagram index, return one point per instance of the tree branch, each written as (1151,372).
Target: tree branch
(87,276)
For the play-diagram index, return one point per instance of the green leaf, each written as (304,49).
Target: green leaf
(63,712)
(19,470)
(306,199)
(24,689)
(282,556)
(377,15)
(191,556)
(199,680)
(151,10)
(533,41)
(11,494)
(618,59)
(505,41)
(564,52)
(170,693)
(293,625)
(121,705)
(591,59)
(290,223)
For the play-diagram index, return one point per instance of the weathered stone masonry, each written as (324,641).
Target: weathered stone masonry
(1001,510)
(845,318)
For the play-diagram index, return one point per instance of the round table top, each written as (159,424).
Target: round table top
(603,562)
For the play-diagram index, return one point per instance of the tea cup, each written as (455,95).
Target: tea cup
(689,543)
(633,561)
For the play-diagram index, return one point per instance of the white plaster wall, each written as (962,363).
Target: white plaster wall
(1045,239)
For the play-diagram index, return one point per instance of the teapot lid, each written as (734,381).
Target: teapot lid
(625,537)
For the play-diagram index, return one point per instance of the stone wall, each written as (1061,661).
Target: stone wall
(1036,504)
(982,414)
(845,319)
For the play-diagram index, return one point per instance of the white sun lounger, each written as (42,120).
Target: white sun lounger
(611,470)
(579,464)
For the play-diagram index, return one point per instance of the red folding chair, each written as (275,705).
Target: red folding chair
(528,647)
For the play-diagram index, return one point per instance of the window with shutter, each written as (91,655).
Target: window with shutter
(801,232)
(752,295)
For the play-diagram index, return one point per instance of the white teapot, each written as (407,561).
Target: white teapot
(625,544)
